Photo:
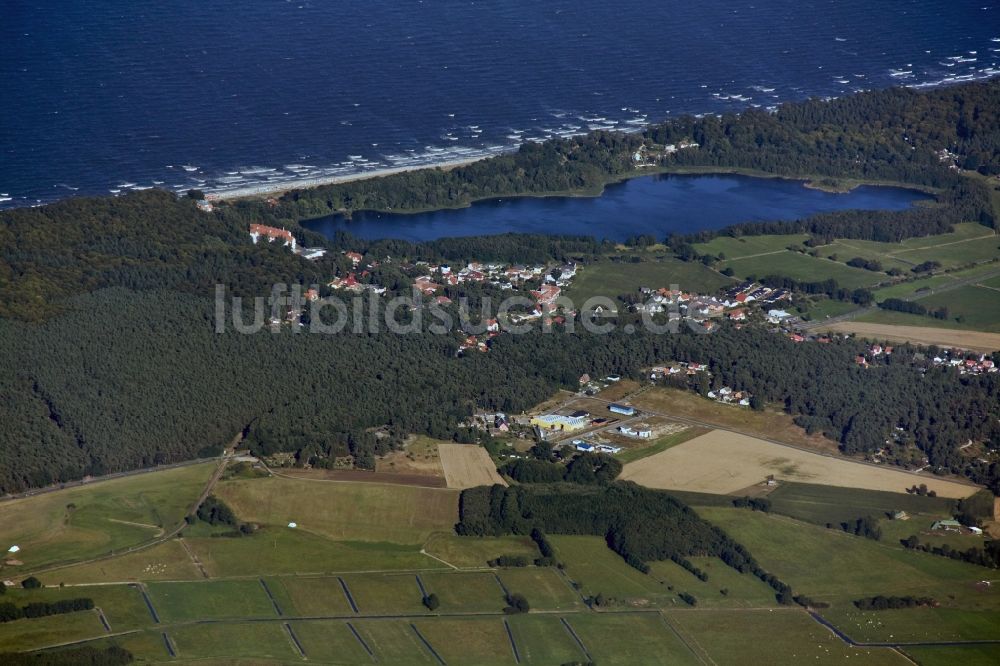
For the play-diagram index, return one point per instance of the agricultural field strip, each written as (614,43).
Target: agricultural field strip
(712,426)
(282,620)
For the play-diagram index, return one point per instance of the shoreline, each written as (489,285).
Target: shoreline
(278,189)
(807,181)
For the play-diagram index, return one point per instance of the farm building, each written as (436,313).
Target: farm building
(641,432)
(587,447)
(559,422)
(625,410)
(946,525)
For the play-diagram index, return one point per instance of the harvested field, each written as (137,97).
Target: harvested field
(725,462)
(467,466)
(924,335)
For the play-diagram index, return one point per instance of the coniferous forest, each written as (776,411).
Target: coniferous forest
(109,360)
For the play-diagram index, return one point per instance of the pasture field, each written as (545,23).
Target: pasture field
(122,605)
(827,307)
(902,327)
(345,510)
(829,565)
(599,570)
(385,594)
(210,600)
(468,465)
(544,588)
(542,639)
(394,642)
(279,550)
(741,590)
(97,518)
(309,596)
(612,280)
(330,642)
(967,655)
(164,561)
(843,250)
(472,552)
(912,625)
(726,462)
(52,630)
(970,242)
(913,287)
(464,592)
(468,640)
(803,267)
(978,307)
(636,638)
(832,504)
(772,636)
(257,640)
(771,424)
(746,246)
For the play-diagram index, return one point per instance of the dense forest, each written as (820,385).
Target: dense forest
(123,379)
(109,359)
(640,524)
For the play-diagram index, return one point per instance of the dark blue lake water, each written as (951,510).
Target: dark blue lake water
(99,95)
(656,205)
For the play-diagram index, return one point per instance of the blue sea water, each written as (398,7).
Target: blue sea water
(114,95)
(656,205)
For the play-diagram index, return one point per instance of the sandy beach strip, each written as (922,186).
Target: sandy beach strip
(279,188)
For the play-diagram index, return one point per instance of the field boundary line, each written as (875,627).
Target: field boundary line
(684,640)
(513,644)
(583,648)
(361,640)
(294,639)
(194,558)
(427,644)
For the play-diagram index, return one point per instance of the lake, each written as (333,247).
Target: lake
(657,205)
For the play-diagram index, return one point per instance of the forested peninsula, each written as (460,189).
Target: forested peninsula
(109,360)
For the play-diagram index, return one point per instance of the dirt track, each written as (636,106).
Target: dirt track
(925,335)
(724,462)
(467,466)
